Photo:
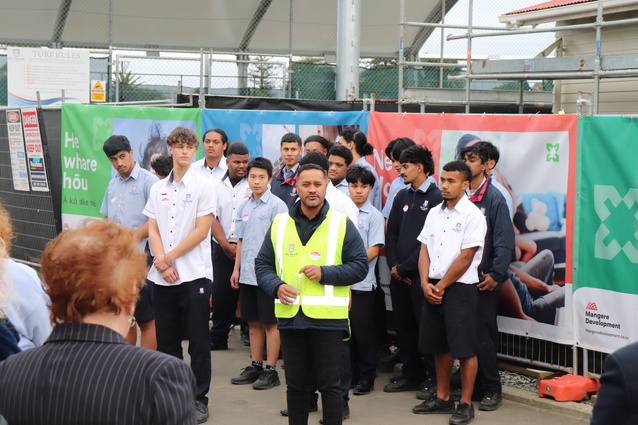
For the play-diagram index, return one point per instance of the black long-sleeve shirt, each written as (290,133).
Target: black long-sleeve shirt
(353,269)
(409,210)
(498,250)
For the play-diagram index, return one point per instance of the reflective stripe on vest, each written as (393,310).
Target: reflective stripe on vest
(317,301)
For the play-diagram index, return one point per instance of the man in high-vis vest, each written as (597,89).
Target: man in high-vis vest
(309,258)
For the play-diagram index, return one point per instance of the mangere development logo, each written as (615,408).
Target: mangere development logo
(607,251)
(552,152)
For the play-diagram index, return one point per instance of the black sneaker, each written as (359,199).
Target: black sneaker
(267,379)
(434,406)
(247,376)
(463,414)
(363,387)
(427,390)
(491,401)
(404,384)
(201,411)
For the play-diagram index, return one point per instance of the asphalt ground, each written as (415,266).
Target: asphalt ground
(241,404)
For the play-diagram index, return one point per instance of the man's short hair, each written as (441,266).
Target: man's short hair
(343,152)
(162,164)
(477,149)
(262,163)
(418,155)
(316,158)
(319,139)
(359,173)
(236,148)
(115,144)
(492,151)
(461,167)
(311,166)
(400,144)
(289,138)
(182,135)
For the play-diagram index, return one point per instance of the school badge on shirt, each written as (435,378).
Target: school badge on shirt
(424,207)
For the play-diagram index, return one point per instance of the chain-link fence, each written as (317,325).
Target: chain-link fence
(139,62)
(283,48)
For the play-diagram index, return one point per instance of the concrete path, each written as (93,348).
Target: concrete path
(241,405)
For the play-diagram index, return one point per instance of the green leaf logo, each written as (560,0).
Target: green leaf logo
(552,152)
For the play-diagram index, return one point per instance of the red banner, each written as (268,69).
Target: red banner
(537,169)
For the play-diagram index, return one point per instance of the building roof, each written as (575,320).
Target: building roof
(252,26)
(548,5)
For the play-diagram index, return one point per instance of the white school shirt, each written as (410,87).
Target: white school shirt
(446,232)
(228,199)
(342,203)
(212,173)
(175,206)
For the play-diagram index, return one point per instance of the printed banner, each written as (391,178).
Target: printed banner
(86,170)
(605,236)
(536,167)
(261,131)
(19,171)
(42,74)
(35,156)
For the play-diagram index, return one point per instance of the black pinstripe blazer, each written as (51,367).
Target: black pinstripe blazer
(88,374)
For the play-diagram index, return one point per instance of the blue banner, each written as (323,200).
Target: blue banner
(261,131)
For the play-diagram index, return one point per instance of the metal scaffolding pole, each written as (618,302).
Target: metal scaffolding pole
(597,57)
(441,48)
(469,55)
(401,58)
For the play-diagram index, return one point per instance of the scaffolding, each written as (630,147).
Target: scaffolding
(595,66)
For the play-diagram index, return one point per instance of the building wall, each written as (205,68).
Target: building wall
(617,95)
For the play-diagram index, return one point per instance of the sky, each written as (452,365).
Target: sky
(486,13)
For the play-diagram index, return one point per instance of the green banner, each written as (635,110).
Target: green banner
(606,232)
(86,170)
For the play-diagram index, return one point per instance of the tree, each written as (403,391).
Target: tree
(125,81)
(262,74)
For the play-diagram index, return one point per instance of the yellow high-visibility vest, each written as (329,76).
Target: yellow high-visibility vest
(317,301)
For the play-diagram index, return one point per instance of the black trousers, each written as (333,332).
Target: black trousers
(187,302)
(488,378)
(224,297)
(363,343)
(407,303)
(315,353)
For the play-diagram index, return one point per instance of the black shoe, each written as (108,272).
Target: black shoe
(387,362)
(401,385)
(313,408)
(434,406)
(463,414)
(346,414)
(216,346)
(365,386)
(396,377)
(201,411)
(491,401)
(427,390)
(268,379)
(247,376)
